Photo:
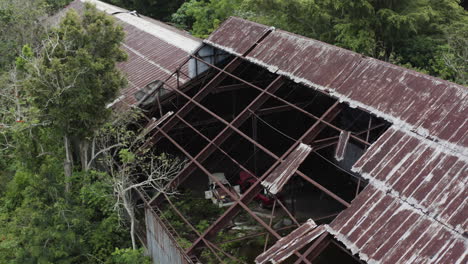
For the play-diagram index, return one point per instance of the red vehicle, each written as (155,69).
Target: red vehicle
(264,197)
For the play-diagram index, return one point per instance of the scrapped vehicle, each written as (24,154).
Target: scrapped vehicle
(217,194)
(265,198)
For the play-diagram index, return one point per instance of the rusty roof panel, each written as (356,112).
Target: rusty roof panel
(391,231)
(287,245)
(302,58)
(384,149)
(410,145)
(425,188)
(394,238)
(417,238)
(415,208)
(357,232)
(429,177)
(354,207)
(236,35)
(280,176)
(410,100)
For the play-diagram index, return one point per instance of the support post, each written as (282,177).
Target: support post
(254,137)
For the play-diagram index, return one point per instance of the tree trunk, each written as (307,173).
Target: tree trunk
(132,233)
(84,145)
(388,53)
(129,208)
(68,164)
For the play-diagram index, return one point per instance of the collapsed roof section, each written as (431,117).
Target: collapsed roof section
(244,120)
(415,208)
(155,51)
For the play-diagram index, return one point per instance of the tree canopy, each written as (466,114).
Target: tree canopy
(74,76)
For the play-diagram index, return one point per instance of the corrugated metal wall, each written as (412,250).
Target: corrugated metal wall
(162,247)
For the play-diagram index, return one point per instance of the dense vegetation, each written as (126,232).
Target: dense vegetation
(54,86)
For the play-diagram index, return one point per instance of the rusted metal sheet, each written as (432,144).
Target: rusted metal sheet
(391,231)
(236,35)
(154,49)
(423,173)
(408,99)
(342,144)
(296,240)
(415,208)
(161,246)
(278,177)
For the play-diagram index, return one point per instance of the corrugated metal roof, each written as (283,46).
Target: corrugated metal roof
(415,208)
(154,49)
(426,176)
(410,100)
(382,228)
(169,34)
(287,245)
(281,175)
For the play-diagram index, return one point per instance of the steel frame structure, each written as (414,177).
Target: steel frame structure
(255,106)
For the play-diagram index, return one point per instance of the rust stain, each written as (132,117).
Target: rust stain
(415,208)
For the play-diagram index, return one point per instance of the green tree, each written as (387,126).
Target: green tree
(22,22)
(74,76)
(74,71)
(203,17)
(19,26)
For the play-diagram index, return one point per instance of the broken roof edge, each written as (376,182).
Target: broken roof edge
(348,244)
(404,126)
